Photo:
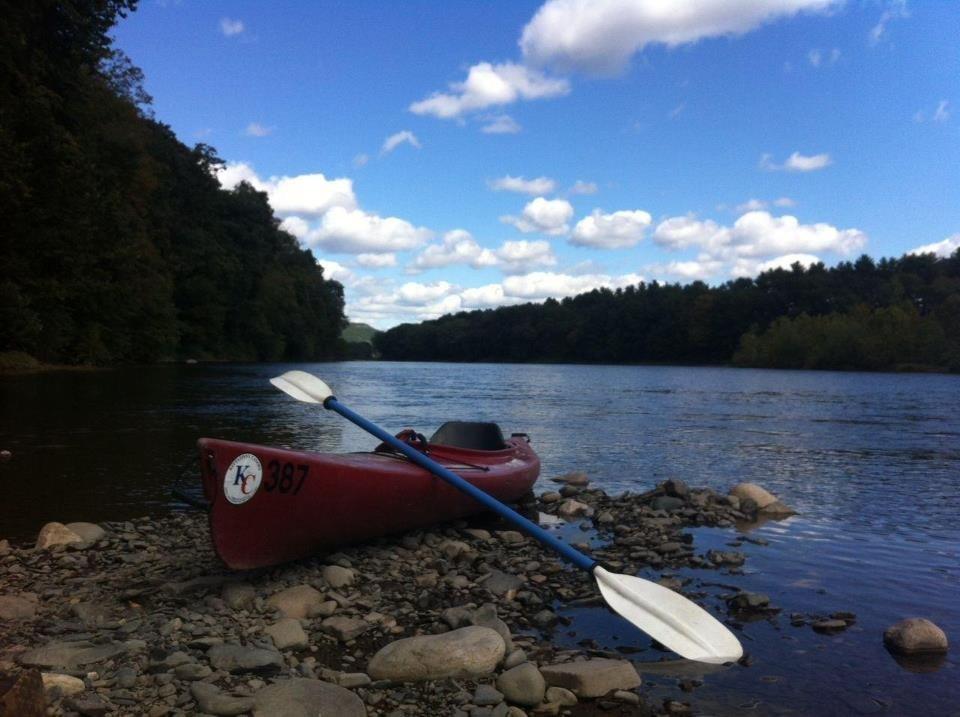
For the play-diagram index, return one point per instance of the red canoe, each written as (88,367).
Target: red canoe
(272,505)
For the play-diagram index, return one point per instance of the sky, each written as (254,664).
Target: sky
(439,157)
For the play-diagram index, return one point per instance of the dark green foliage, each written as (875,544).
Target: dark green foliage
(866,315)
(119,245)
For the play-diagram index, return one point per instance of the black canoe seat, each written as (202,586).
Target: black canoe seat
(472,435)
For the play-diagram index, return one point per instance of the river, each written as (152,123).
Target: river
(870,461)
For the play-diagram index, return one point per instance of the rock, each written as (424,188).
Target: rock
(238,596)
(191,672)
(238,658)
(457,617)
(87,705)
(55,684)
(510,537)
(592,678)
(487,695)
(915,635)
(731,557)
(53,534)
(551,497)
(345,628)
(287,633)
(18,607)
(338,577)
(749,601)
(517,657)
(4,546)
(776,509)
(578,478)
(486,616)
(90,533)
(477,533)
(5,455)
(94,615)
(324,609)
(668,503)
(631,698)
(467,652)
(501,583)
(212,701)
(765,501)
(522,685)
(300,697)
(295,602)
(561,696)
(545,618)
(70,655)
(829,626)
(352,680)
(676,488)
(571,508)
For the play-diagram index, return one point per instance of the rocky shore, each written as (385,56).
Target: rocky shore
(141,618)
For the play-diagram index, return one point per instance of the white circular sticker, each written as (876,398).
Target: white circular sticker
(242,478)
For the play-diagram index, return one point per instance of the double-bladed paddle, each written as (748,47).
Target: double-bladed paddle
(673,620)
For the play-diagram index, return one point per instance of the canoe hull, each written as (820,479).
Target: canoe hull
(272,505)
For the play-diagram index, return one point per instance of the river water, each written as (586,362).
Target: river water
(870,461)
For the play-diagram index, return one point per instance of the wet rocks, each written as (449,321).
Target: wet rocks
(522,685)
(467,652)
(212,701)
(576,478)
(241,658)
(299,697)
(915,635)
(54,534)
(765,502)
(570,509)
(592,678)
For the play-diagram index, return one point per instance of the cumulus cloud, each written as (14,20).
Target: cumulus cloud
(600,36)
(303,194)
(533,187)
(541,285)
(500,124)
(231,27)
(677,233)
(296,226)
(691,270)
(457,247)
(377,261)
(747,267)
(943,248)
(489,85)
(337,271)
(354,231)
(395,140)
(518,257)
(611,231)
(549,216)
(255,129)
(581,187)
(797,162)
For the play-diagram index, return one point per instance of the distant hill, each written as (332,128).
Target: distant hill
(356,333)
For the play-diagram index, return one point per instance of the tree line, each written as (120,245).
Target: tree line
(118,243)
(876,315)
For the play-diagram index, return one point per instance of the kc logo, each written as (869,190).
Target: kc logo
(242,478)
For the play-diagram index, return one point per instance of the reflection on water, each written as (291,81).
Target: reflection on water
(871,462)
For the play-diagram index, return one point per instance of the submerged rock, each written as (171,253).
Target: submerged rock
(467,652)
(915,635)
(766,502)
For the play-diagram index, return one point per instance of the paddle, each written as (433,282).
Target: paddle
(668,617)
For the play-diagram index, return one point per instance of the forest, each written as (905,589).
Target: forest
(118,243)
(892,314)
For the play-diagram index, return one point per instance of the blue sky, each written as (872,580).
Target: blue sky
(446,156)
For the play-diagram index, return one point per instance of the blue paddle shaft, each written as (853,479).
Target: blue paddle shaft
(488,501)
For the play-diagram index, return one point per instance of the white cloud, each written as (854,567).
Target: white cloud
(541,285)
(581,187)
(942,113)
(457,247)
(231,27)
(549,216)
(797,162)
(784,202)
(895,10)
(361,160)
(678,233)
(336,271)
(611,231)
(694,269)
(255,129)
(486,297)
(501,124)
(354,231)
(818,57)
(303,194)
(489,85)
(759,234)
(395,140)
(944,248)
(602,35)
(533,187)
(377,261)
(518,257)
(747,267)
(677,111)
(752,205)
(296,226)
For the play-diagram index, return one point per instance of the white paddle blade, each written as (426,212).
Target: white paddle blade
(303,386)
(668,617)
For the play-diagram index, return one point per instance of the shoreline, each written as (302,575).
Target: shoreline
(145,618)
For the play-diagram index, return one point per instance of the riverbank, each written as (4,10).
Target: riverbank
(144,619)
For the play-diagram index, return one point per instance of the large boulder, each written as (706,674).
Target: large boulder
(307,698)
(766,502)
(464,653)
(915,635)
(592,678)
(54,534)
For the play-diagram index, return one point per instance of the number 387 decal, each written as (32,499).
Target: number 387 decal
(285,477)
